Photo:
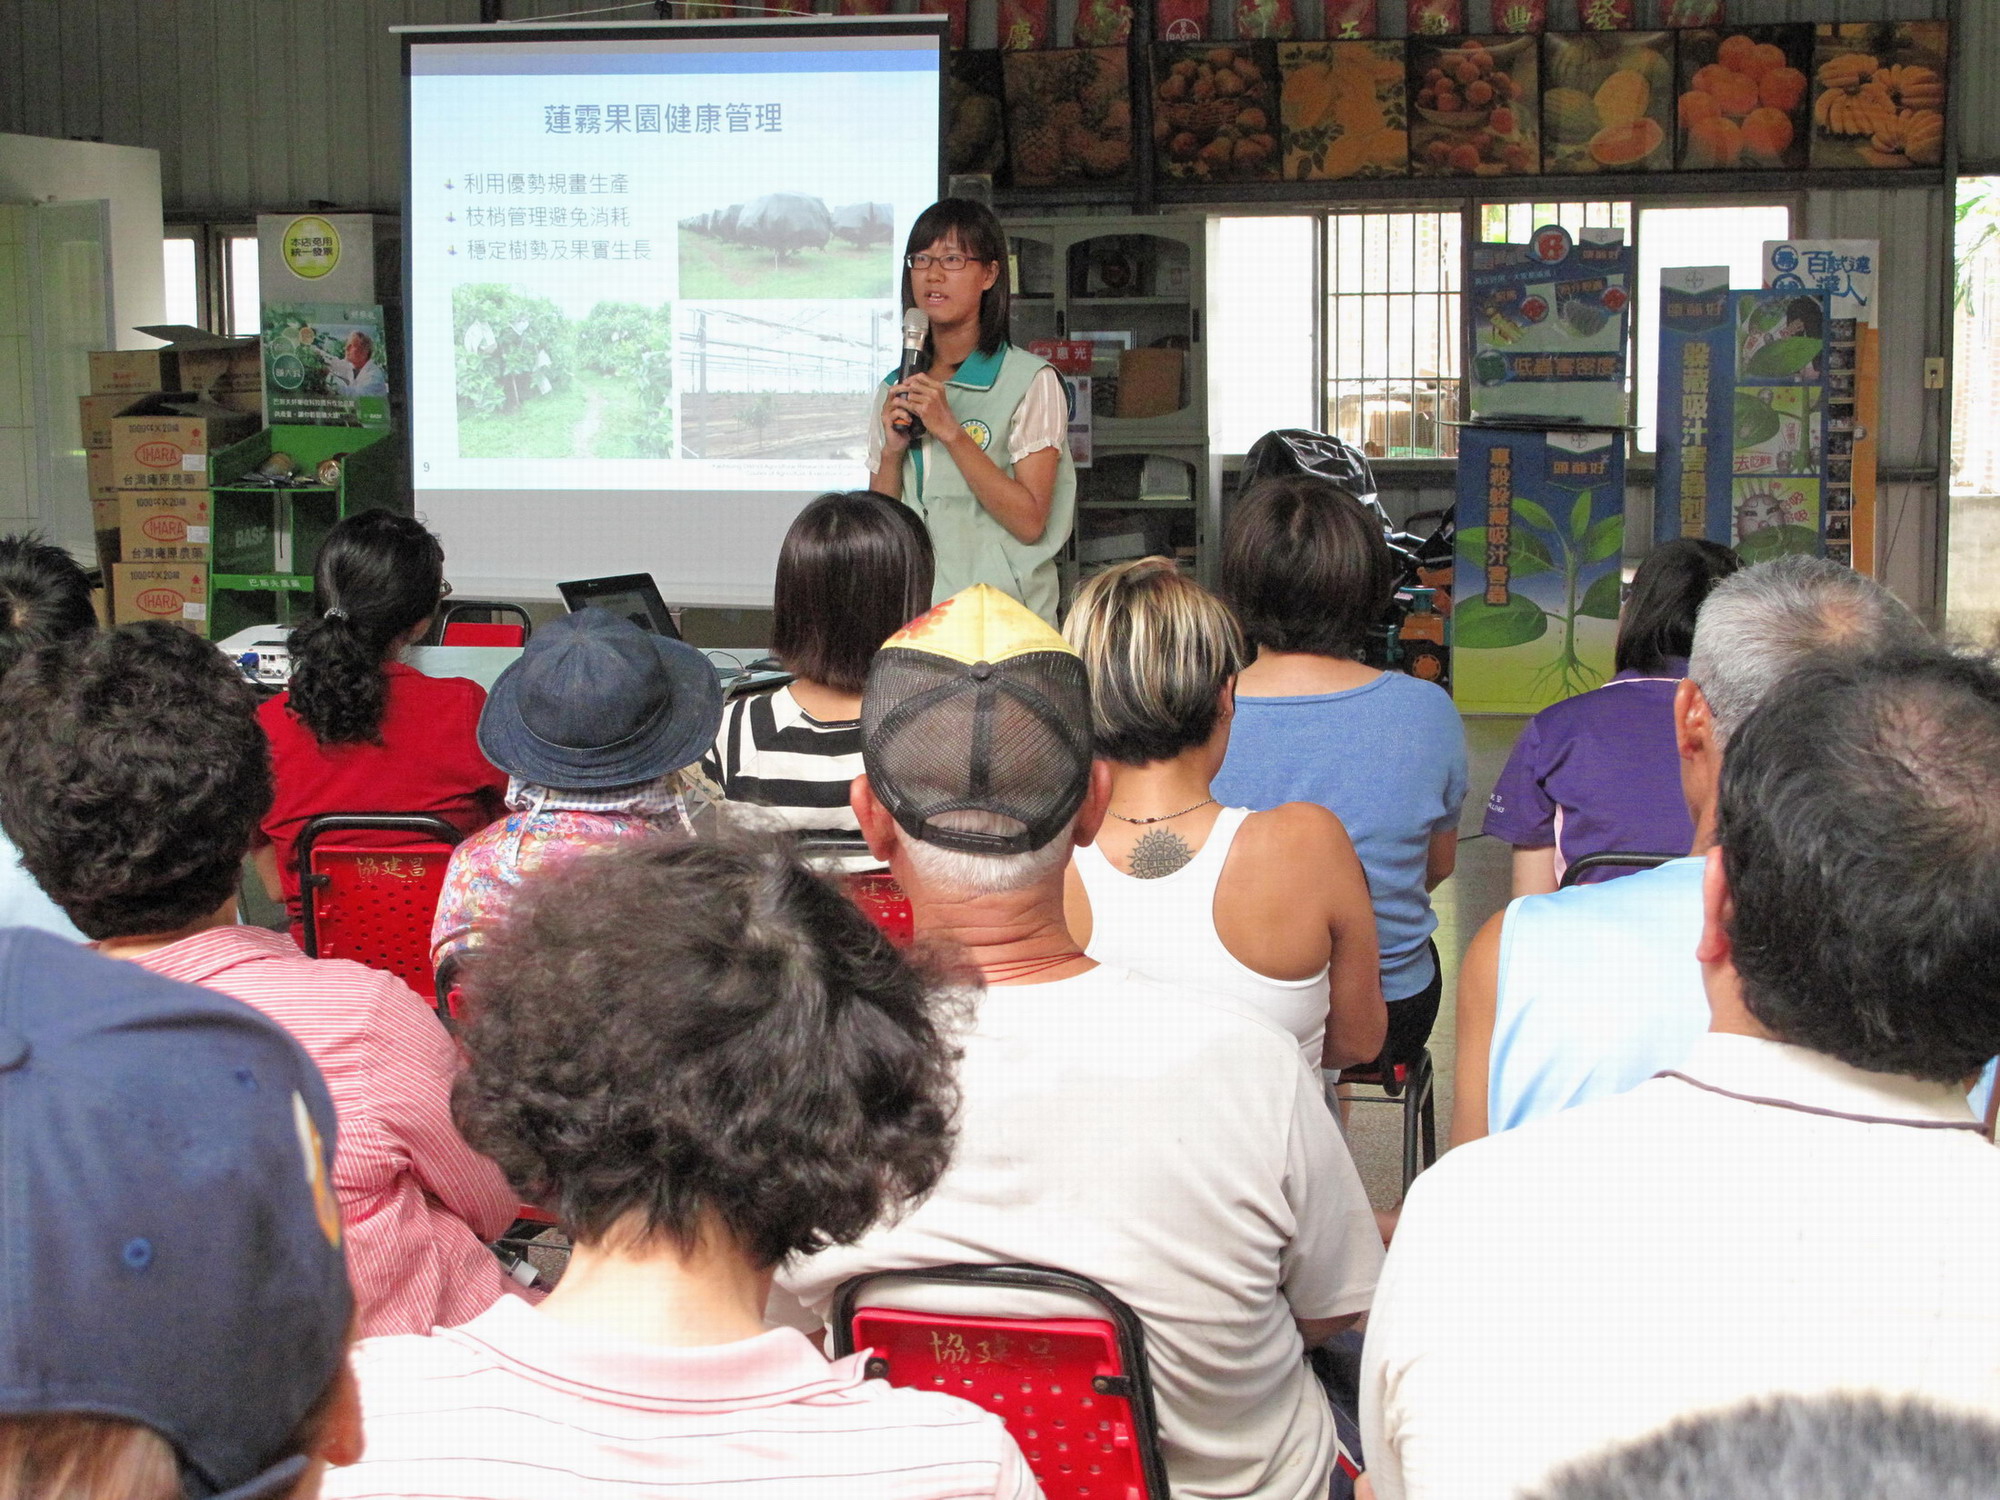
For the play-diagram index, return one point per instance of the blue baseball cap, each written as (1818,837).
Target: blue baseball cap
(168,1225)
(596,702)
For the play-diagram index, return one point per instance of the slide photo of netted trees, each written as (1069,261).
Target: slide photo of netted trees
(789,245)
(536,382)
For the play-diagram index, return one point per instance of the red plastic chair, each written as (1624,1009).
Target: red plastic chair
(1073,1392)
(886,904)
(455,631)
(371,904)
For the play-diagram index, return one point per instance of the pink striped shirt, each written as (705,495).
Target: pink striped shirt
(517,1405)
(417,1203)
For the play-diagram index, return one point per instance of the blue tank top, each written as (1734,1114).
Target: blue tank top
(1599,990)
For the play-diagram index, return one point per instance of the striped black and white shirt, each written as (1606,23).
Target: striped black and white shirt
(781,769)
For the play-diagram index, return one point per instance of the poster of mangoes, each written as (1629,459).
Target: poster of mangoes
(1475,105)
(1344,110)
(1215,111)
(1881,94)
(1607,102)
(1743,97)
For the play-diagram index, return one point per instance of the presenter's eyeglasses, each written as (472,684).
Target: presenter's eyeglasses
(951,262)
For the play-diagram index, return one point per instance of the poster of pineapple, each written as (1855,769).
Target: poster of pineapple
(1743,97)
(1069,118)
(1475,103)
(975,132)
(325,365)
(594,379)
(1881,99)
(1215,111)
(1344,108)
(1608,100)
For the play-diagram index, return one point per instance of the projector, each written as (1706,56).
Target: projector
(260,654)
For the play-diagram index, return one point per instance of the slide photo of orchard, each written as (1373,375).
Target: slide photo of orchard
(535,381)
(789,245)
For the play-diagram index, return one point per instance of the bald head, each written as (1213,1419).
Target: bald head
(1759,625)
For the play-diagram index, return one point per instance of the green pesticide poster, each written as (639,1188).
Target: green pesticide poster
(1549,330)
(1541,534)
(1778,456)
(325,364)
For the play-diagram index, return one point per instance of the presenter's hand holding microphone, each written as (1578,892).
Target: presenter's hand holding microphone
(917,401)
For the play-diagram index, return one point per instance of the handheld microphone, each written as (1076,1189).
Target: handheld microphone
(916,328)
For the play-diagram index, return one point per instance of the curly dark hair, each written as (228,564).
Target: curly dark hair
(134,776)
(670,1029)
(1859,819)
(377,576)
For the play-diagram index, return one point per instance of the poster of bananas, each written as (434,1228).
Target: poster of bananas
(1831,96)
(1549,329)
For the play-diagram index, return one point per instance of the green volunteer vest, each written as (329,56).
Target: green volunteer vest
(971,546)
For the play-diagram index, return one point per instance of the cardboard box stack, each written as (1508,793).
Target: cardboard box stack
(153,420)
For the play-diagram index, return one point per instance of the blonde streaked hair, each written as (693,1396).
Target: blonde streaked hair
(73,1457)
(1158,648)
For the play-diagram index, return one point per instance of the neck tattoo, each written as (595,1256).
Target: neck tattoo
(1158,853)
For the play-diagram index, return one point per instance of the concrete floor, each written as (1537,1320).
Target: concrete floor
(1478,888)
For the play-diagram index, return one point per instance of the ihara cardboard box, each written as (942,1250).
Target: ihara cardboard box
(104,526)
(163,526)
(94,414)
(224,370)
(165,441)
(176,593)
(103,476)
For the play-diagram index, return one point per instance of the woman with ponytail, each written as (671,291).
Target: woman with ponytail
(359,731)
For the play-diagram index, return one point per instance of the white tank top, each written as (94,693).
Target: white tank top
(1165,930)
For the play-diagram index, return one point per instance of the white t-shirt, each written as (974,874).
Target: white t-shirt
(1771,1221)
(1184,1157)
(1040,421)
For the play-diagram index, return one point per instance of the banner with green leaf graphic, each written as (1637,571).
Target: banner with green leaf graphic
(1541,534)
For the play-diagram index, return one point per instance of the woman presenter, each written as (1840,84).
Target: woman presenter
(989,469)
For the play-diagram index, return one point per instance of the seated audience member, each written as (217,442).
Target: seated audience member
(755,1076)
(1266,910)
(854,569)
(177,1309)
(1598,772)
(1583,993)
(44,598)
(1804,1203)
(1799,1448)
(1308,573)
(1176,1152)
(358,731)
(136,775)
(593,726)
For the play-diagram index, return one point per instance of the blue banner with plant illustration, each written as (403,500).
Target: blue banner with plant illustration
(1541,532)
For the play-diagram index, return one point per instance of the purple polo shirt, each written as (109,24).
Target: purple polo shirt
(1595,772)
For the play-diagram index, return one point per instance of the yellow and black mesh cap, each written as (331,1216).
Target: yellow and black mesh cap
(978,706)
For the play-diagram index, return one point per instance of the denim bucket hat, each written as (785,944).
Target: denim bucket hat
(597,702)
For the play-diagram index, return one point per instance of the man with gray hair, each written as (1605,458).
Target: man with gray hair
(1176,1152)
(1586,992)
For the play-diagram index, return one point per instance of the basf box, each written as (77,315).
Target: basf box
(163,526)
(164,441)
(176,593)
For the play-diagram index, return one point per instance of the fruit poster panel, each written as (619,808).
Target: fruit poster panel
(1474,100)
(1881,94)
(1743,97)
(1541,534)
(1693,464)
(1778,444)
(1608,102)
(1549,325)
(325,365)
(1343,109)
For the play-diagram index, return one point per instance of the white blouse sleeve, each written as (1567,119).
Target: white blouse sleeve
(875,434)
(1042,418)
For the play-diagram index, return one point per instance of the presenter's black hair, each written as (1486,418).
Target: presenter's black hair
(1666,595)
(378,575)
(44,597)
(978,232)
(855,568)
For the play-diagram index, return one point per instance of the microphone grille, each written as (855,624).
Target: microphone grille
(916,320)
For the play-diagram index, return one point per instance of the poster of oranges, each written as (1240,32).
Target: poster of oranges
(1743,97)
(1474,103)
(1343,109)
(1880,99)
(1215,111)
(1607,102)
